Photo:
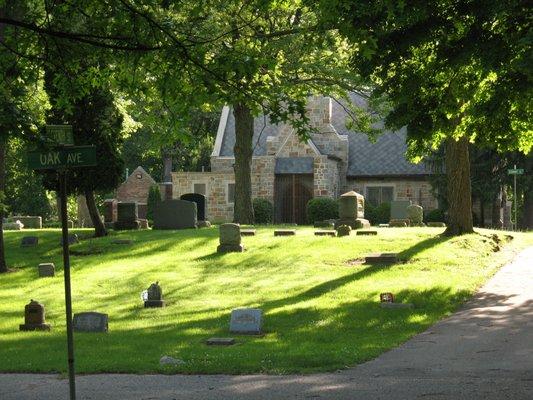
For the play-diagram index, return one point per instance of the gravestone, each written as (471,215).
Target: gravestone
(367,233)
(398,209)
(154,296)
(387,297)
(72,239)
(175,214)
(29,241)
(29,221)
(399,223)
(284,232)
(230,239)
(247,232)
(246,321)
(343,230)
(415,214)
(34,318)
(352,211)
(382,258)
(127,216)
(199,199)
(90,322)
(110,210)
(13,226)
(326,233)
(220,341)
(46,269)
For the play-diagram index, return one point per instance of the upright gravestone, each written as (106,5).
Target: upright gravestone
(34,317)
(246,321)
(46,270)
(90,322)
(398,209)
(415,214)
(127,216)
(29,241)
(230,239)
(175,214)
(154,296)
(352,211)
(199,199)
(72,239)
(110,210)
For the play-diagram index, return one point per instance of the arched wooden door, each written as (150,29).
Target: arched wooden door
(291,194)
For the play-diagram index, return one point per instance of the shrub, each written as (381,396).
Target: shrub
(377,215)
(263,211)
(154,197)
(436,215)
(322,208)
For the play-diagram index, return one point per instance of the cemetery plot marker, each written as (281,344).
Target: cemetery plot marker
(284,232)
(91,322)
(220,341)
(247,232)
(367,233)
(246,321)
(382,258)
(34,317)
(29,241)
(46,270)
(325,233)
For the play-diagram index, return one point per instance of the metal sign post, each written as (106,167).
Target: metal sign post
(61,157)
(515,171)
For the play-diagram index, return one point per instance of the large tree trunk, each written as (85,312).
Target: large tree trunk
(458,186)
(243,212)
(3,148)
(99,227)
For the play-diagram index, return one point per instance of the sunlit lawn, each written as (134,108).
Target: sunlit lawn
(320,312)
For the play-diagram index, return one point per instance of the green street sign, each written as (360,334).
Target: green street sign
(61,134)
(67,157)
(516,171)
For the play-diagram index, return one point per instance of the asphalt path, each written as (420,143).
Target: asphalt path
(483,351)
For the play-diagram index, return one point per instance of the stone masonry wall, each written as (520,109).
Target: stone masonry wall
(136,187)
(418,191)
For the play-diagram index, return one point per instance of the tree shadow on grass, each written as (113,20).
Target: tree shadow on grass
(423,245)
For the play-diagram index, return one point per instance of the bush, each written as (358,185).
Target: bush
(436,215)
(322,208)
(154,197)
(377,215)
(263,211)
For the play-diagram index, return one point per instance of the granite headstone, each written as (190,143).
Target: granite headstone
(247,321)
(90,322)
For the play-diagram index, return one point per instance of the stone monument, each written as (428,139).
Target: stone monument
(230,239)
(352,211)
(46,270)
(90,322)
(154,296)
(343,230)
(415,214)
(127,216)
(246,321)
(29,241)
(34,317)
(175,214)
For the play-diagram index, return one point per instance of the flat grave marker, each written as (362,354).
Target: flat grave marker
(367,233)
(397,305)
(326,233)
(220,341)
(382,258)
(284,232)
(90,322)
(247,232)
(29,241)
(246,321)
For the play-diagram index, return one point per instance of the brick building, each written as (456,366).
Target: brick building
(288,172)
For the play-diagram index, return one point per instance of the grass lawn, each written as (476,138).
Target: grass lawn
(321,312)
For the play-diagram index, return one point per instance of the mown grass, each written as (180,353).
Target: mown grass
(321,312)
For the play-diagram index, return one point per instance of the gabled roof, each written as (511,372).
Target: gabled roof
(386,157)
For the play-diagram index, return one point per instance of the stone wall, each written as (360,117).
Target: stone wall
(416,190)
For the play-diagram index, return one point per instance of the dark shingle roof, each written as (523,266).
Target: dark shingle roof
(386,157)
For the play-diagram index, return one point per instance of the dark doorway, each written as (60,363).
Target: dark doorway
(199,199)
(291,194)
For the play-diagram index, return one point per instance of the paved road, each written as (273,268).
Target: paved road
(484,351)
